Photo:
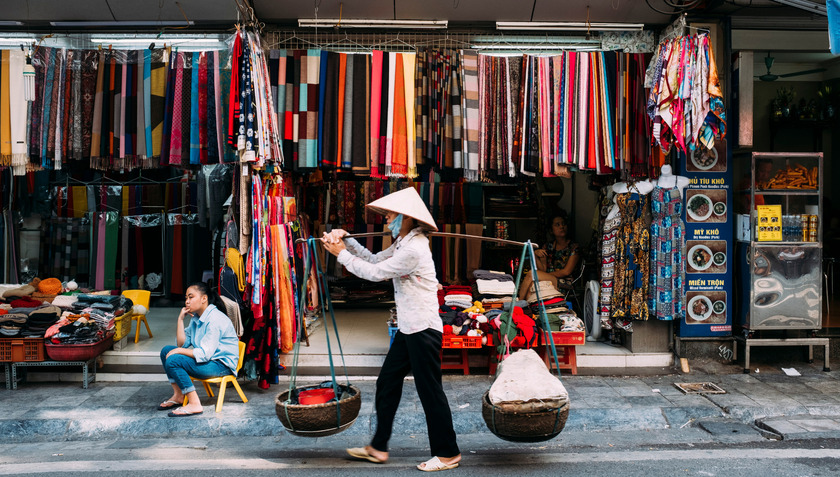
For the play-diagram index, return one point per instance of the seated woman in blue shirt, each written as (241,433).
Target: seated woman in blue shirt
(207,348)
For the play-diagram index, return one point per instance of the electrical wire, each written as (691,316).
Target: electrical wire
(681,7)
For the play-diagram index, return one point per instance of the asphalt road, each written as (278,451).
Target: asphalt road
(606,455)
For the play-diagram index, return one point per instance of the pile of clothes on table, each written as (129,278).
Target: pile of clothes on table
(87,318)
(26,311)
(23,318)
(460,314)
(489,307)
(57,311)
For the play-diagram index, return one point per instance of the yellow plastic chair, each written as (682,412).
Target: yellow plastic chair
(223,381)
(139,297)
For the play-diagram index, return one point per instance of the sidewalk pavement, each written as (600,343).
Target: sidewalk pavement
(773,405)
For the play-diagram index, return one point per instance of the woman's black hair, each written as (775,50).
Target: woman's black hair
(213,298)
(559,213)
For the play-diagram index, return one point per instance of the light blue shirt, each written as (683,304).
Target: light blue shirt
(213,338)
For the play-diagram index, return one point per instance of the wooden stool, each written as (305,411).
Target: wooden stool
(460,360)
(461,344)
(565,342)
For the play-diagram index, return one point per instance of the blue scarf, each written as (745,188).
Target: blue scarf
(395,226)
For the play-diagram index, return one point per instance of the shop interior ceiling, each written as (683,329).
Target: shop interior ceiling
(192,16)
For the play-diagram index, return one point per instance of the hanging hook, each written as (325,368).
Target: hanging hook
(588,25)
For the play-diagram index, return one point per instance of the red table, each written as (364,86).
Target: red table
(564,341)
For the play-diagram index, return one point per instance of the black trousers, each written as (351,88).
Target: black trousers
(418,353)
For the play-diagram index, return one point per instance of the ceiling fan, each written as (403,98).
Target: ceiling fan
(768,61)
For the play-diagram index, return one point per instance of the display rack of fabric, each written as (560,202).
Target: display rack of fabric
(116,108)
(438,108)
(685,103)
(13,111)
(273,274)
(252,129)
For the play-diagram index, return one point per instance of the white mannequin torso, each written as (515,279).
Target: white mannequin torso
(667,180)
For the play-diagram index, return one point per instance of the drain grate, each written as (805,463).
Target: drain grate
(700,388)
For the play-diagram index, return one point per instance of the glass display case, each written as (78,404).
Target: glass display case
(783,289)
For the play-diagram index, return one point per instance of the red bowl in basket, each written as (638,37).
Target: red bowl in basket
(316,396)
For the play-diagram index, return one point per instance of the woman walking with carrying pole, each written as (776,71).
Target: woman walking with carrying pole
(417,344)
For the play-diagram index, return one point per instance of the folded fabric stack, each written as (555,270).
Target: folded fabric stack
(458,300)
(494,288)
(453,290)
(459,313)
(556,305)
(11,324)
(39,320)
(28,322)
(102,309)
(65,301)
(546,292)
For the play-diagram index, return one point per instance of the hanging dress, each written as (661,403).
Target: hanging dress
(608,245)
(667,254)
(632,274)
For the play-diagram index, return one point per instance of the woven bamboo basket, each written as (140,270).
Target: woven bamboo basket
(523,426)
(318,420)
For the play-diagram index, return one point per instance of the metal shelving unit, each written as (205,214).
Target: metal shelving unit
(784,285)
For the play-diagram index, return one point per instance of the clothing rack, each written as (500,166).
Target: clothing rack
(410,41)
(678,28)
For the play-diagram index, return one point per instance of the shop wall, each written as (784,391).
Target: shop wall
(800,139)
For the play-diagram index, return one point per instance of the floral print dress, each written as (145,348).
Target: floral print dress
(632,266)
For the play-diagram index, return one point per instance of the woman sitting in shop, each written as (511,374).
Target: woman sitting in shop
(207,348)
(417,345)
(557,261)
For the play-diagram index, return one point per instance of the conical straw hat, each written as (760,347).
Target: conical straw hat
(406,202)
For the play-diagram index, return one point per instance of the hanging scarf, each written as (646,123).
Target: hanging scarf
(310,65)
(212,140)
(375,111)
(328,113)
(393,60)
(157,102)
(168,110)
(361,80)
(470,111)
(399,158)
(17,113)
(408,71)
(194,103)
(5,110)
(235,91)
(347,119)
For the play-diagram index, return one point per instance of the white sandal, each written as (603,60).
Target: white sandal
(434,464)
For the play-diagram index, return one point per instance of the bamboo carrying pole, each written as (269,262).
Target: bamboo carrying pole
(440,234)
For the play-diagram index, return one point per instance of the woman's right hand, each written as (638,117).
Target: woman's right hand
(184,312)
(334,236)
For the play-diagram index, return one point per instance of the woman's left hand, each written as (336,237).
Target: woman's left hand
(174,351)
(334,248)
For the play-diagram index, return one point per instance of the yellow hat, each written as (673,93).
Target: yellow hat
(406,202)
